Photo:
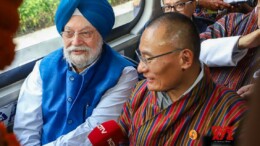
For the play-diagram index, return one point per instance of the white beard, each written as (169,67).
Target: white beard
(82,60)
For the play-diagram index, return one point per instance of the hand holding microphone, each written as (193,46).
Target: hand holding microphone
(106,134)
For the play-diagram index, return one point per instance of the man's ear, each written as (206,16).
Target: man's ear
(187,58)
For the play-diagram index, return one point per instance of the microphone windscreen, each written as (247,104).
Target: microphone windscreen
(106,134)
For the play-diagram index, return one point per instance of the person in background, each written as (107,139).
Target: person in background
(212,55)
(185,7)
(178,103)
(237,36)
(76,87)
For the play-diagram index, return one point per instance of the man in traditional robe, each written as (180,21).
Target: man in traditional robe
(178,103)
(78,86)
(236,35)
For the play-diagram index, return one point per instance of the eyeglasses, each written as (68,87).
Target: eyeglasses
(71,34)
(176,7)
(148,60)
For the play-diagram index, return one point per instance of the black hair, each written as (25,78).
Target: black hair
(181,28)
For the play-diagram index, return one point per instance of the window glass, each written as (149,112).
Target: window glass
(36,22)
(37,19)
(125,10)
(39,14)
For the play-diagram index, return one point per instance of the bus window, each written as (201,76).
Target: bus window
(37,35)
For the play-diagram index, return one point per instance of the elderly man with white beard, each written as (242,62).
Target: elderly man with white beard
(73,89)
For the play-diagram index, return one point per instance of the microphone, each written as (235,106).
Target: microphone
(107,134)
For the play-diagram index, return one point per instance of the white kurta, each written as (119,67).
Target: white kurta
(28,120)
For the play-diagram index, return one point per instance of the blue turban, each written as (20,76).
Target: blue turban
(98,12)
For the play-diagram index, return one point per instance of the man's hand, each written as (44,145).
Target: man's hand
(214,4)
(240,8)
(246,91)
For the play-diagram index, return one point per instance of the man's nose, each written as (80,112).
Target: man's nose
(142,67)
(173,9)
(77,39)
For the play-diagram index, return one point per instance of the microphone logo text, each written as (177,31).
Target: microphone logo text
(111,142)
(102,129)
(219,133)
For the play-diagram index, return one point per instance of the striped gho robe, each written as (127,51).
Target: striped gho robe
(233,24)
(206,105)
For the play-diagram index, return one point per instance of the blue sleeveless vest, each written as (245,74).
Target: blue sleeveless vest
(69,98)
